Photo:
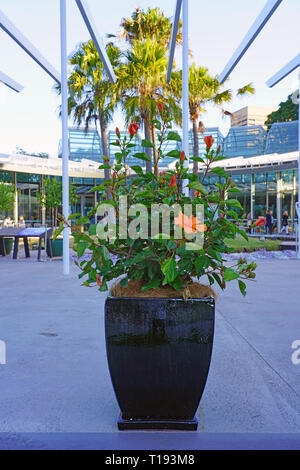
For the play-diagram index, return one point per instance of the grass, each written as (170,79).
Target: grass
(240,245)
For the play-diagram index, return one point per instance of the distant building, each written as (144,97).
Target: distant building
(251,116)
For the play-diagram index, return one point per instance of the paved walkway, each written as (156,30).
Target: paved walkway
(56,377)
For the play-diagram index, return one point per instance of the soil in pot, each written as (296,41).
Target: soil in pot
(194,290)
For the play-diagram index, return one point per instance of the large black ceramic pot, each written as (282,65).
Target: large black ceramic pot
(159,353)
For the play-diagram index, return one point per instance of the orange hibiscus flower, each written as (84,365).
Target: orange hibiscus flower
(189,224)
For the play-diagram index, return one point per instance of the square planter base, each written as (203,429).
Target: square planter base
(147,424)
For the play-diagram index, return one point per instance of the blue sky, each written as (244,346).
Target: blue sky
(30,119)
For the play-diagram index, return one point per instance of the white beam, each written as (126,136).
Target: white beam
(284,72)
(185,88)
(65,146)
(27,46)
(173,40)
(264,16)
(91,26)
(10,82)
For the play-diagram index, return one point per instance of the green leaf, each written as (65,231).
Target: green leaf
(197,186)
(177,284)
(243,234)
(234,203)
(147,143)
(153,284)
(173,136)
(58,231)
(173,154)
(197,159)
(73,216)
(80,248)
(105,166)
(219,171)
(157,124)
(171,245)
(169,270)
(230,275)
(124,282)
(142,156)
(137,169)
(233,190)
(218,279)
(93,229)
(83,220)
(242,287)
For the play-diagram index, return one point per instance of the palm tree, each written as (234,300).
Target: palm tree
(145,30)
(203,89)
(92,97)
(143,80)
(150,24)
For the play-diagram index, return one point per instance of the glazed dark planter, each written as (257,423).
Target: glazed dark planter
(159,352)
(57,248)
(8,242)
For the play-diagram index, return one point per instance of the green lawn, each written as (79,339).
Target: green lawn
(240,244)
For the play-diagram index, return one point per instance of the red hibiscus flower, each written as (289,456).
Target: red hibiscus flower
(209,140)
(160,107)
(173,182)
(182,156)
(133,128)
(118,132)
(99,282)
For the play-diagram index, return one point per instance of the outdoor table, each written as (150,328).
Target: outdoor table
(25,233)
(7,232)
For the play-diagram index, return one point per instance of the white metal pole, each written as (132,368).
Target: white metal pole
(185,86)
(298,250)
(65,147)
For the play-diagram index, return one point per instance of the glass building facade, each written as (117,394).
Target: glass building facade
(269,183)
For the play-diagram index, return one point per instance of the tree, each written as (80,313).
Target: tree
(7,198)
(287,111)
(151,24)
(148,33)
(92,97)
(143,77)
(52,197)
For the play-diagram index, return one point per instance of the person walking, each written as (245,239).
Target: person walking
(285,222)
(269,222)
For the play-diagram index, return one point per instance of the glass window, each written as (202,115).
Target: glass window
(6,176)
(260,201)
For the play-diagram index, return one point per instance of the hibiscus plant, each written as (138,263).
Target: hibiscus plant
(164,259)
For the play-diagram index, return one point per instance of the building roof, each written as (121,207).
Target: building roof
(52,166)
(254,164)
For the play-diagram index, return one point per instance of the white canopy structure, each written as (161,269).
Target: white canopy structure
(27,46)
(262,19)
(10,83)
(60,79)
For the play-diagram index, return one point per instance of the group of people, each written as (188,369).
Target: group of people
(267,222)
(8,222)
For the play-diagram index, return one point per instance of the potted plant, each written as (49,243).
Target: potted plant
(159,320)
(51,198)
(7,198)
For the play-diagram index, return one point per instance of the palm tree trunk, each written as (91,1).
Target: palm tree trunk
(103,130)
(148,136)
(196,145)
(155,153)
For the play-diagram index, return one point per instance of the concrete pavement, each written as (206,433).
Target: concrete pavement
(56,377)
